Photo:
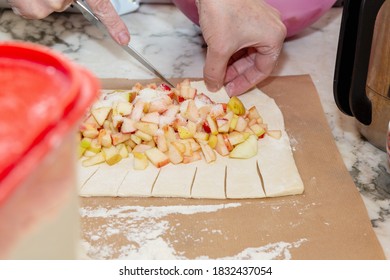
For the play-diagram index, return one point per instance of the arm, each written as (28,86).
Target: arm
(244,39)
(38,9)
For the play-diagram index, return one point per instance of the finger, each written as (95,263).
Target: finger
(58,5)
(215,68)
(260,69)
(242,62)
(106,12)
(33,9)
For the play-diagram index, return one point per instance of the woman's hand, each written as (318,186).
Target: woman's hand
(103,9)
(244,39)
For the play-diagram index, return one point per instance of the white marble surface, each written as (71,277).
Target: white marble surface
(168,39)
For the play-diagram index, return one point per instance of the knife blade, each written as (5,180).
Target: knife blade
(92,18)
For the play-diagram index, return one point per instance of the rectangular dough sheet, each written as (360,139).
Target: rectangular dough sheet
(271,173)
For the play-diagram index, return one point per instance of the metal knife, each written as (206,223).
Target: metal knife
(91,17)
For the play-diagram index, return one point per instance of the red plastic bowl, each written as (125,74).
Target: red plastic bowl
(43,96)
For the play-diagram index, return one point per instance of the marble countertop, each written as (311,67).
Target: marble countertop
(172,42)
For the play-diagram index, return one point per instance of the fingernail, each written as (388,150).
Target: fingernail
(16,11)
(212,88)
(229,89)
(123,38)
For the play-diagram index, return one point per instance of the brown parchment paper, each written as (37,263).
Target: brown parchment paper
(328,221)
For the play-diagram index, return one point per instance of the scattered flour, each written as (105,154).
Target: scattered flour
(143,228)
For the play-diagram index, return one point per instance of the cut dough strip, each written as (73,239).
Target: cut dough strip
(209,181)
(174,181)
(106,180)
(138,185)
(242,179)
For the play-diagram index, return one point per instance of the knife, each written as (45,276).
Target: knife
(91,17)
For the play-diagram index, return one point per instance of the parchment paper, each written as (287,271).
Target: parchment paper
(328,221)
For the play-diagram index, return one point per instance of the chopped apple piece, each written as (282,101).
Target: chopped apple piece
(123,150)
(194,145)
(111,155)
(228,145)
(88,153)
(204,111)
(217,110)
(90,121)
(277,134)
(130,143)
(203,99)
(124,108)
(138,110)
(128,126)
(193,157)
(161,142)
(148,128)
(180,146)
(201,136)
(221,146)
(85,142)
(140,161)
(153,117)
(169,133)
(257,129)
(212,125)
(212,141)
(208,153)
(192,127)
(160,105)
(253,114)
(135,139)
(223,125)
(96,159)
(158,158)
(150,143)
(119,137)
(236,137)
(95,146)
(188,150)
(105,139)
(141,148)
(190,110)
(175,156)
(100,114)
(241,124)
(108,125)
(235,105)
(246,149)
(91,133)
(184,132)
(144,136)
(251,122)
(233,122)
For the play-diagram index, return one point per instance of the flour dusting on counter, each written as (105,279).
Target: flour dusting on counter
(279,250)
(137,232)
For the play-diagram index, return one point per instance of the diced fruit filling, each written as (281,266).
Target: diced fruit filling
(162,125)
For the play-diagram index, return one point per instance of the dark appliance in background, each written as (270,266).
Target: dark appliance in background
(362,73)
